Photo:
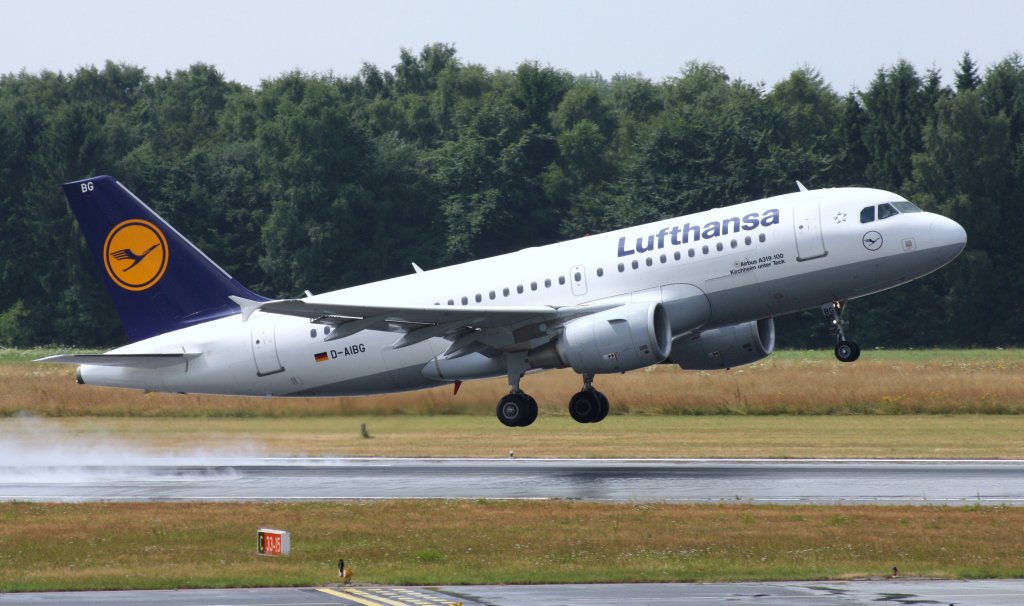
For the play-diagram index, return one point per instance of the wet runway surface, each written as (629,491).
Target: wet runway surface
(685,480)
(824,593)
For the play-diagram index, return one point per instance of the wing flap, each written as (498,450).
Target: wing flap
(470,327)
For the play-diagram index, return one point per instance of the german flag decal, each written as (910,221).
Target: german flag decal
(320,357)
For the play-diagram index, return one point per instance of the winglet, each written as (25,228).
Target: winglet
(801,186)
(248,306)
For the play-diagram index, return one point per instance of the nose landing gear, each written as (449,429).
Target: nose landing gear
(846,351)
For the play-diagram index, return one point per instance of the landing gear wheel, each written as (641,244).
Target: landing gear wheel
(531,410)
(588,406)
(517,410)
(605,407)
(847,351)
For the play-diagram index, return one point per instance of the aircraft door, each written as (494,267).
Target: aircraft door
(264,350)
(578,279)
(807,229)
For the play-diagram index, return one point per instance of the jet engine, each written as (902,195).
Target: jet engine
(725,347)
(624,338)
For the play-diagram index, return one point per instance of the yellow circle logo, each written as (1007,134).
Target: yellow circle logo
(135,254)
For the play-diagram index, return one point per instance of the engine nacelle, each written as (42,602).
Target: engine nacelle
(615,340)
(725,347)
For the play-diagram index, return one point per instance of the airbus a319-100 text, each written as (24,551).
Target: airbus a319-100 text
(699,291)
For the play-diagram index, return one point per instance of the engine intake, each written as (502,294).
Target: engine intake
(725,347)
(632,336)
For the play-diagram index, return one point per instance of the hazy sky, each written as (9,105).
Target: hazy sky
(758,41)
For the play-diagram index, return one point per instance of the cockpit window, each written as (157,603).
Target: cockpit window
(867,214)
(906,207)
(886,210)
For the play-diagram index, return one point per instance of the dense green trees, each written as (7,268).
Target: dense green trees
(318,182)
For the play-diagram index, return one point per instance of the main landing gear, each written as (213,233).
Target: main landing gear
(588,405)
(518,409)
(846,351)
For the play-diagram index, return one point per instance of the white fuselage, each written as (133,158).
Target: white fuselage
(754,260)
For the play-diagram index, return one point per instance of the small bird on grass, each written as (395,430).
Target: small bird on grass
(344,572)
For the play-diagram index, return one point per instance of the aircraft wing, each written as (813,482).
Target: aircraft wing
(149,361)
(470,328)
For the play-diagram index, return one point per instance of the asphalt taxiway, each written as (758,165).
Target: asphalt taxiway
(684,480)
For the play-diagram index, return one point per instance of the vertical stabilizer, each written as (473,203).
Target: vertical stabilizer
(159,280)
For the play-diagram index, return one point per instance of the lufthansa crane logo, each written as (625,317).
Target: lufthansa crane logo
(872,240)
(135,254)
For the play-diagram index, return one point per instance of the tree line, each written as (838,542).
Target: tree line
(322,181)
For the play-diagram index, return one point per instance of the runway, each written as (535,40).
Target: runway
(683,480)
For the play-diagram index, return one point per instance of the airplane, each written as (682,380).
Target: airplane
(699,291)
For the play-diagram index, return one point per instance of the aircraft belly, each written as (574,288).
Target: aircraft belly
(408,378)
(787,294)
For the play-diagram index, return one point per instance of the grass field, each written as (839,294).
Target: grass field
(624,436)
(796,383)
(112,546)
(918,404)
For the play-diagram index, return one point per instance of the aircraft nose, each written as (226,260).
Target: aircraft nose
(947,233)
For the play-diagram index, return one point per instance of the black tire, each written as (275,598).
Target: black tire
(847,351)
(605,407)
(531,411)
(585,406)
(512,410)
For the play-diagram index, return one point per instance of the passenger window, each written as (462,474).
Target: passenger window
(622,268)
(327,330)
(533,286)
(678,255)
(451,301)
(663,258)
(600,272)
(760,238)
(635,264)
(704,249)
(746,240)
(504,292)
(479,297)
(577,276)
(465,300)
(867,215)
(886,210)
(519,289)
(691,252)
(650,261)
(491,295)
(719,247)
(547,282)
(733,244)
(561,280)
(312,333)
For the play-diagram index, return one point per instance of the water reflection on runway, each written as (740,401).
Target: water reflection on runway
(685,480)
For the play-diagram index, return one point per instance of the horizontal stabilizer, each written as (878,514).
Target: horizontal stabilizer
(161,360)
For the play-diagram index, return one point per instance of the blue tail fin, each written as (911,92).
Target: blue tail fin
(159,280)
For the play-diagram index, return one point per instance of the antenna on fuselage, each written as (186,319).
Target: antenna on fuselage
(801,186)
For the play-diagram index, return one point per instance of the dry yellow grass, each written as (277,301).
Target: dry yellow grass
(846,436)
(882,382)
(451,542)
